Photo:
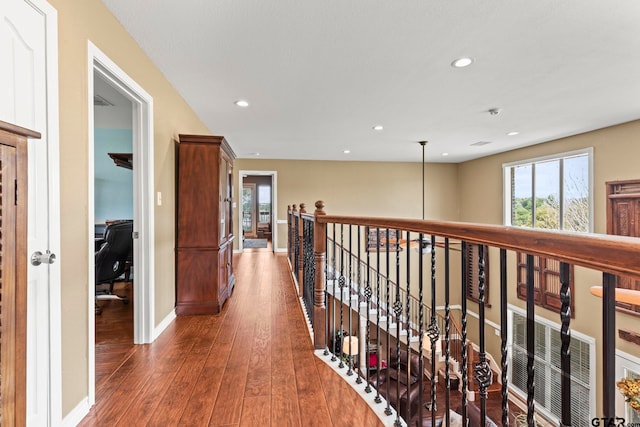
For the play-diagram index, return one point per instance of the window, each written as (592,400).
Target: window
(547,369)
(471,258)
(552,193)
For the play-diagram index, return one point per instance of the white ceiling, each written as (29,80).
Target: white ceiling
(319,74)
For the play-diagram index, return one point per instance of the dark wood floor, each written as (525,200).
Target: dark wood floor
(251,365)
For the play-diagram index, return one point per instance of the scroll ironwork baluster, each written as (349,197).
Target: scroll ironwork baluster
(341,284)
(483,372)
(397,311)
(333,312)
(350,253)
(565,338)
(378,399)
(463,325)
(359,279)
(408,323)
(326,297)
(433,331)
(531,341)
(367,294)
(503,337)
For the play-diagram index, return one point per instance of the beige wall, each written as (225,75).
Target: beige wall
(385,189)
(79,22)
(616,152)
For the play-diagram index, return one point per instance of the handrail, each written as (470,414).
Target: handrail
(579,249)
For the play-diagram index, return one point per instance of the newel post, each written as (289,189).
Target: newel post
(320,257)
(300,271)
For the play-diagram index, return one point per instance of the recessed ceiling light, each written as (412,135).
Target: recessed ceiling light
(346,151)
(257,154)
(445,154)
(462,62)
(378,127)
(242,103)
(514,133)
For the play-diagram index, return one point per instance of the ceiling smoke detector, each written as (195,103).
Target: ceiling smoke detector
(494,111)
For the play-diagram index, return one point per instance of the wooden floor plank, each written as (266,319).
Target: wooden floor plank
(252,364)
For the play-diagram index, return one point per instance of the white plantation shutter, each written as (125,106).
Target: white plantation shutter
(547,370)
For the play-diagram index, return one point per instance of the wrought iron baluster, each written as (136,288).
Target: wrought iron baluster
(333,312)
(378,399)
(463,325)
(397,311)
(421,329)
(326,297)
(608,345)
(367,294)
(483,372)
(341,284)
(350,370)
(408,324)
(433,331)
(359,279)
(387,410)
(503,337)
(565,338)
(531,341)
(447,332)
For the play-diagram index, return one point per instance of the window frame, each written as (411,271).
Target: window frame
(506,175)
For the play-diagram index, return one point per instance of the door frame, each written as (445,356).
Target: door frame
(274,205)
(143,202)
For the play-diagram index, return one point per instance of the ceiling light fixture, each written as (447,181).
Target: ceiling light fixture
(514,133)
(445,154)
(347,151)
(462,62)
(242,103)
(378,127)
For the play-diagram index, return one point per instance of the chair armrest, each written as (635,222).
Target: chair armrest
(379,378)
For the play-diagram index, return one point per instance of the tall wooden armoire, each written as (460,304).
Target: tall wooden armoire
(13,273)
(204,224)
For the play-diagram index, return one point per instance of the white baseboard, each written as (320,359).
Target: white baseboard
(164,324)
(281,250)
(76,415)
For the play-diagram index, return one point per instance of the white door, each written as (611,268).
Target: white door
(24,101)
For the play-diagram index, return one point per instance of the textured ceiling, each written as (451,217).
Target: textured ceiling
(320,74)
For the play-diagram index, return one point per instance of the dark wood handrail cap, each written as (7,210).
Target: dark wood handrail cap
(302,208)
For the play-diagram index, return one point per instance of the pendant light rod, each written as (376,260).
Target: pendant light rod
(423,143)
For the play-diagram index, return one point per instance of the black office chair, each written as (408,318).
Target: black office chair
(112,258)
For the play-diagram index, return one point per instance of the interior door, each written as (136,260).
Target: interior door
(249,210)
(23,101)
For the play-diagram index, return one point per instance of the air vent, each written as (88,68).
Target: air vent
(480,143)
(99,101)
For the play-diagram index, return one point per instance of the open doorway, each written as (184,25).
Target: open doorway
(257,209)
(113,214)
(130,177)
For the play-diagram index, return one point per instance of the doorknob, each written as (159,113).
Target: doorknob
(38,258)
